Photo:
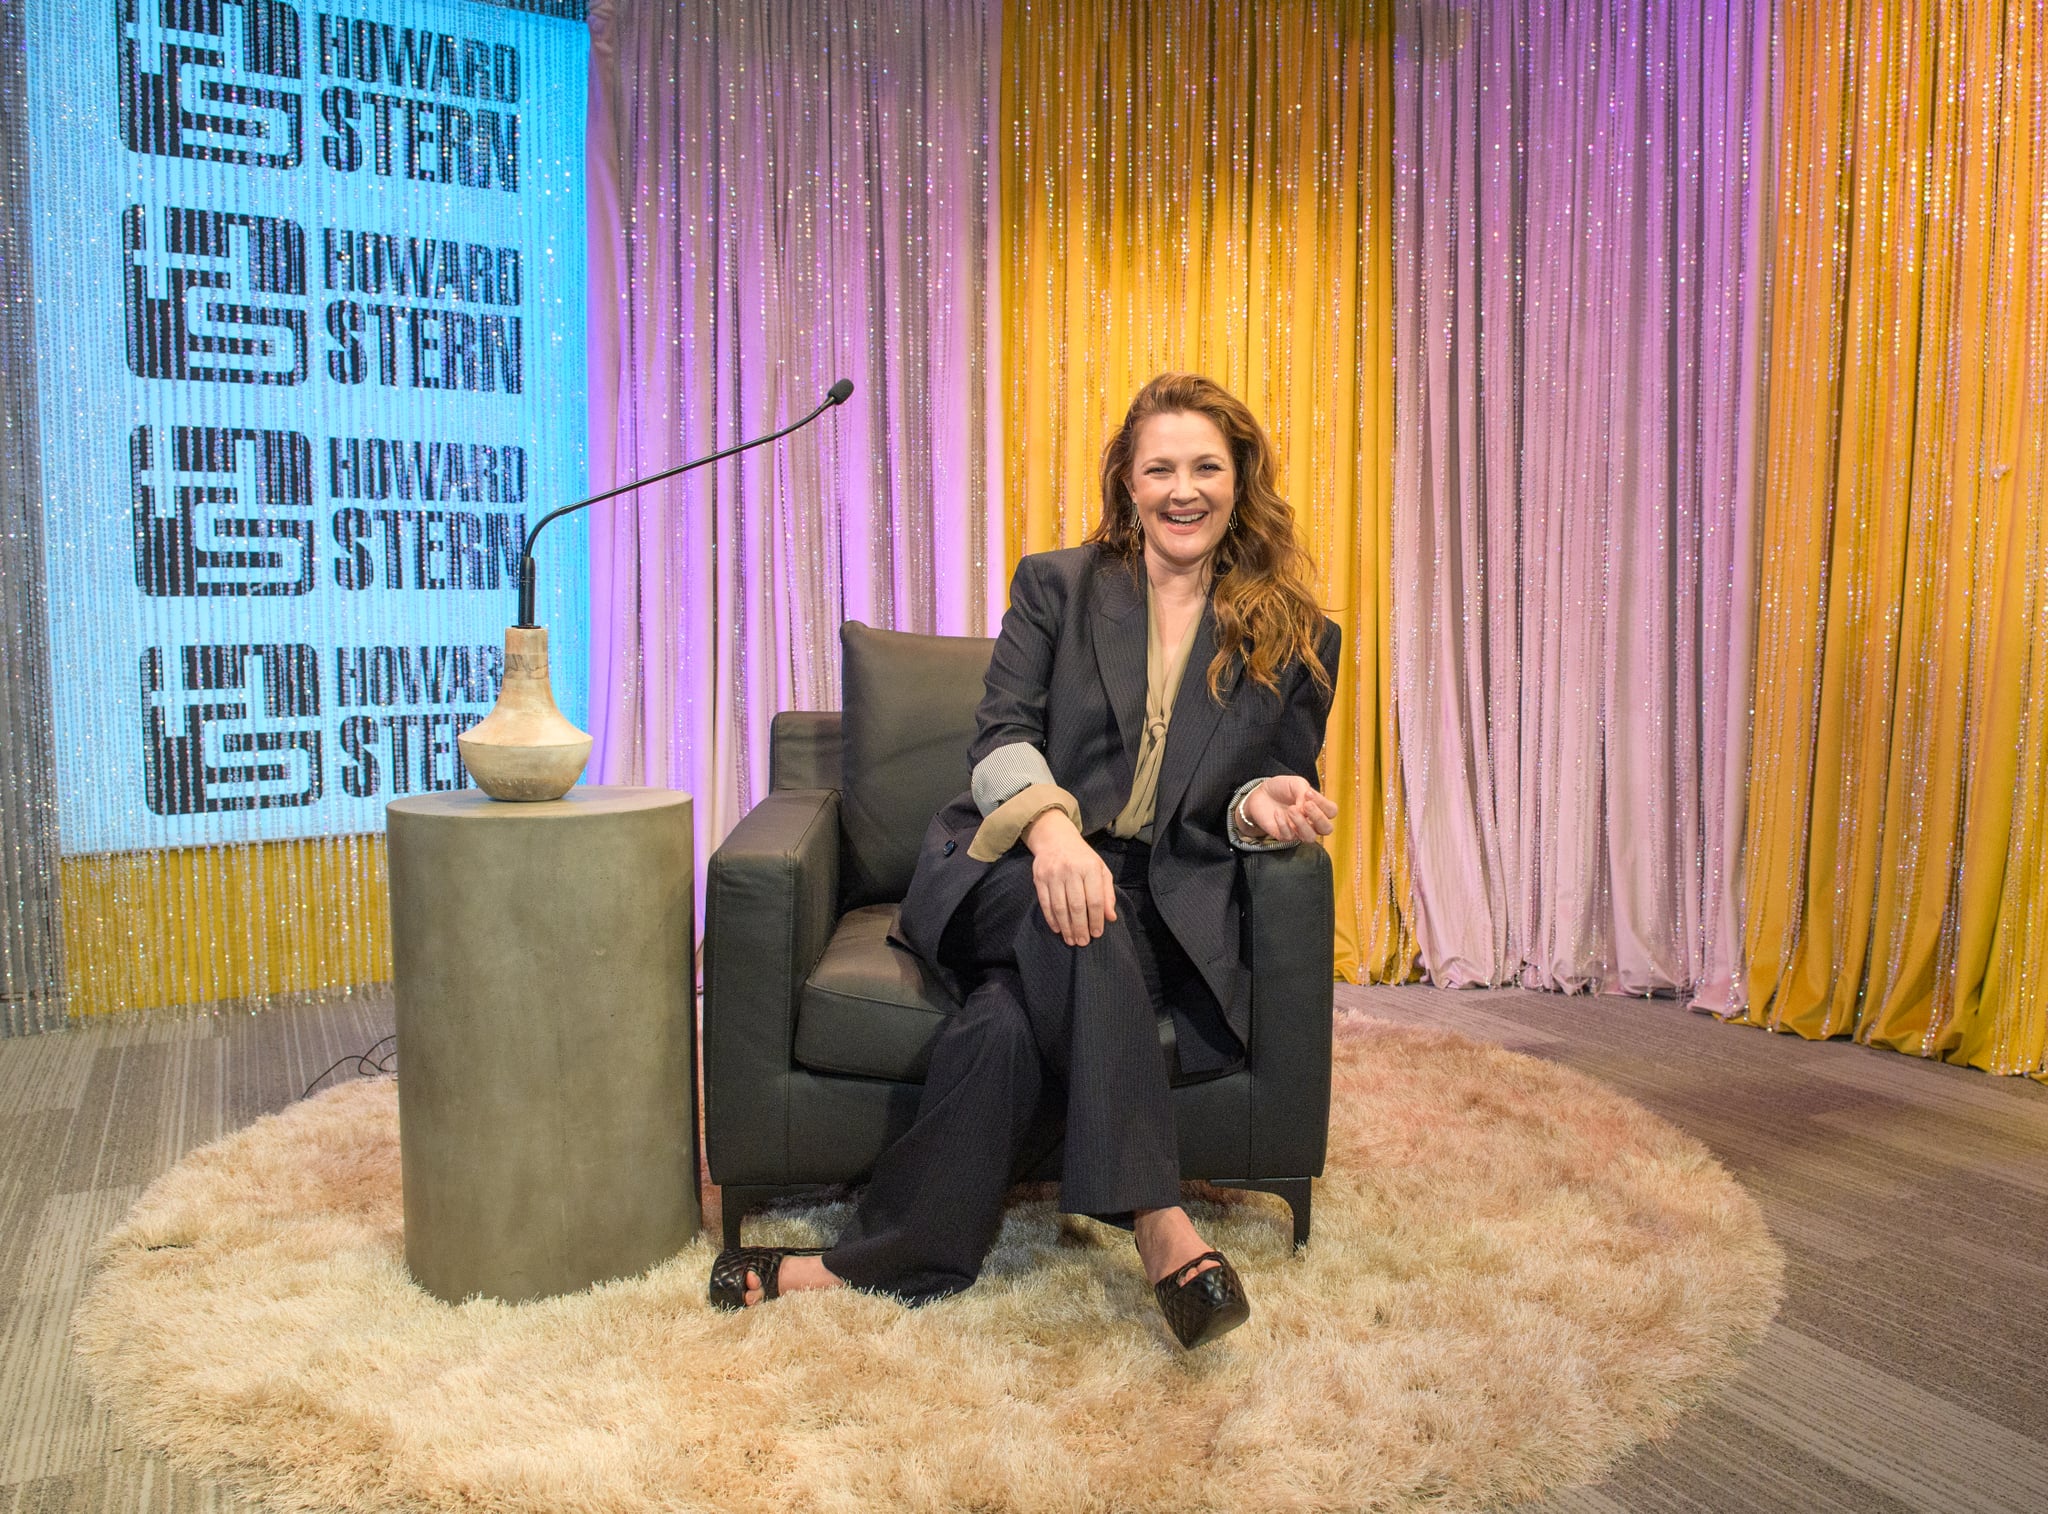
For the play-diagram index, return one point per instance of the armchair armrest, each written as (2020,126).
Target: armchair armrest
(1290,923)
(771,899)
(803,750)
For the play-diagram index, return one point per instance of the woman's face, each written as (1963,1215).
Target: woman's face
(1185,486)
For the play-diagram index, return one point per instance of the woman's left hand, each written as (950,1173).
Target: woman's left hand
(1286,808)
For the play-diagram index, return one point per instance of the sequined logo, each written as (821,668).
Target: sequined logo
(212,79)
(221,510)
(231,727)
(214,296)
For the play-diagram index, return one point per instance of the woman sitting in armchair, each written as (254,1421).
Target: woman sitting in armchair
(1156,701)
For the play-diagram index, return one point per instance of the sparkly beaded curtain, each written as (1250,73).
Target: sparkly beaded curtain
(294,354)
(1899,824)
(1204,185)
(784,193)
(1581,218)
(31,941)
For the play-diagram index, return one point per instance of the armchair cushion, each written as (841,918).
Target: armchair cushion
(909,716)
(869,1009)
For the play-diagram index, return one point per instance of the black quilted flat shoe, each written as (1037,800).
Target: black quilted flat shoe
(729,1272)
(1204,1306)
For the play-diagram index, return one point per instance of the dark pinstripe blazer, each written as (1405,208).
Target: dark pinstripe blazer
(1068,676)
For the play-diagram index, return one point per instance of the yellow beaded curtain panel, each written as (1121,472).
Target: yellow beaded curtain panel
(1899,792)
(1206,186)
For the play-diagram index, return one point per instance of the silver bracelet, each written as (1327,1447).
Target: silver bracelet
(1241,818)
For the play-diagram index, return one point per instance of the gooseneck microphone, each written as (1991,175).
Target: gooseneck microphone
(838,394)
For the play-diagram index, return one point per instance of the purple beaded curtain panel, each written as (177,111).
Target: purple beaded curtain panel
(783,193)
(1582,206)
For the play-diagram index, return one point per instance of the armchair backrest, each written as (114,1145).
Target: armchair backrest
(907,716)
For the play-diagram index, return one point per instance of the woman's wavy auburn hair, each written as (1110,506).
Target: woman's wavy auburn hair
(1263,578)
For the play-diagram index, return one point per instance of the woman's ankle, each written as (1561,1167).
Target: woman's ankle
(1167,1241)
(802,1274)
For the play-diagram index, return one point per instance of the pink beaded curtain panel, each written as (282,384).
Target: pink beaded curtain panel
(783,193)
(1582,201)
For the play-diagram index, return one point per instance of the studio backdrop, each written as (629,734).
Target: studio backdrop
(1661,389)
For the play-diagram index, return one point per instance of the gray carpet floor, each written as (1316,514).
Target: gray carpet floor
(1908,1369)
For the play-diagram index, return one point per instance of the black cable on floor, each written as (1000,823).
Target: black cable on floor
(368,1064)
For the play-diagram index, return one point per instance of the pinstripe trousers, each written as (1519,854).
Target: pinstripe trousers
(1054,1044)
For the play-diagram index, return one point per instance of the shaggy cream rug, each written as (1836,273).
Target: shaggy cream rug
(1515,1274)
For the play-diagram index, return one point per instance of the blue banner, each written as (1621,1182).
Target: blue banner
(310,285)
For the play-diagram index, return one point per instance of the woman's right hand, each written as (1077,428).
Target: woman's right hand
(1076,892)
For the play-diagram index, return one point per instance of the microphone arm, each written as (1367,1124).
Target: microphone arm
(838,394)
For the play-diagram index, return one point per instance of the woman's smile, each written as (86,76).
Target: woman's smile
(1183,485)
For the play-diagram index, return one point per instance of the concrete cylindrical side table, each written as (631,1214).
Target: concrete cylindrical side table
(542,961)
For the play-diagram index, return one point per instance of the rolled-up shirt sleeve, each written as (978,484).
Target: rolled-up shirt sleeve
(1006,772)
(1003,826)
(1013,785)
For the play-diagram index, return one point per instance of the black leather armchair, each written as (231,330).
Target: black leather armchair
(817,1031)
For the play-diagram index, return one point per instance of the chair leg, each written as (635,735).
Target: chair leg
(736,1203)
(731,1215)
(738,1200)
(1298,1192)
